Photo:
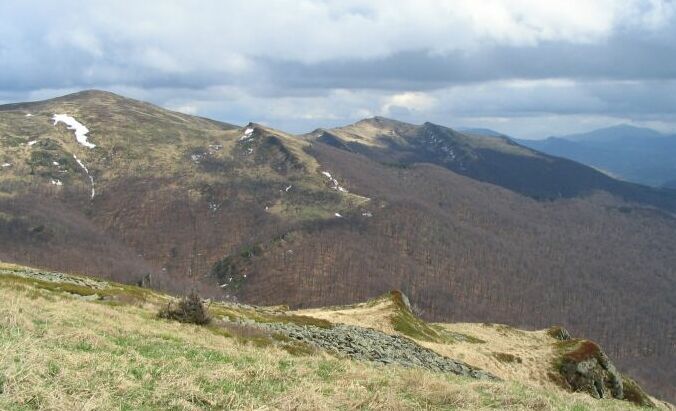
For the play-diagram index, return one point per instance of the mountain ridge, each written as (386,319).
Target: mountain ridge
(265,216)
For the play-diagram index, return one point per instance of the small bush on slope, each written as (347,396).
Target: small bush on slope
(190,309)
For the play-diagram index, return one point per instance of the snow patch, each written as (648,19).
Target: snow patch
(56,163)
(29,115)
(338,215)
(367,214)
(57,182)
(30,143)
(79,128)
(91,179)
(248,133)
(288,188)
(334,182)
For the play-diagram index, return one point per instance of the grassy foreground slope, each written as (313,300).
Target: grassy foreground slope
(70,342)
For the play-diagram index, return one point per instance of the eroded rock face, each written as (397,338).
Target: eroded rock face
(585,367)
(588,369)
(366,344)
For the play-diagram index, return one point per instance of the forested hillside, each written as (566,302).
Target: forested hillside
(473,228)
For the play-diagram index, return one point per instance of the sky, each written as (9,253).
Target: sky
(528,68)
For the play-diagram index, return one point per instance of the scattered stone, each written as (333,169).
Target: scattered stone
(366,344)
(57,278)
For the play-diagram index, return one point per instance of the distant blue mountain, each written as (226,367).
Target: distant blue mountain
(615,133)
(636,154)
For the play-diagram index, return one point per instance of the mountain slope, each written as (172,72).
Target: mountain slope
(494,159)
(166,186)
(257,215)
(630,153)
(464,251)
(70,341)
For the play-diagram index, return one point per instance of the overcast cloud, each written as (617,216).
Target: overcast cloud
(529,68)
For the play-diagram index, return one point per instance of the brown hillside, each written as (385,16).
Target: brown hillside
(250,215)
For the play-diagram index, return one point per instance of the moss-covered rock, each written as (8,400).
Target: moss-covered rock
(586,368)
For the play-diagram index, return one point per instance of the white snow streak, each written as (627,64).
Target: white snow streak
(288,188)
(91,179)
(30,143)
(79,128)
(334,182)
(6,165)
(29,115)
(338,215)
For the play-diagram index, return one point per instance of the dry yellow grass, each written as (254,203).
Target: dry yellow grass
(526,357)
(533,351)
(59,352)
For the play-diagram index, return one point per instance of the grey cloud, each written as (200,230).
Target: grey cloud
(298,65)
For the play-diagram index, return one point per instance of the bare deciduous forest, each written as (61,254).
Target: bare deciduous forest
(461,249)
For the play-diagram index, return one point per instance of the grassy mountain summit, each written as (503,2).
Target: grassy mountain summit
(494,158)
(473,228)
(72,340)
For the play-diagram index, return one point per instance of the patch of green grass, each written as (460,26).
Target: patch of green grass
(9,279)
(407,323)
(160,347)
(452,337)
(261,388)
(84,345)
(328,369)
(53,368)
(105,292)
(284,365)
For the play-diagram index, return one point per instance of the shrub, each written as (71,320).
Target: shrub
(189,309)
(559,333)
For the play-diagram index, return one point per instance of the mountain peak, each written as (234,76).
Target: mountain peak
(91,94)
(379,121)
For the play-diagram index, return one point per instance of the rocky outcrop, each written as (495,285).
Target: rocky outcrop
(54,277)
(585,367)
(366,344)
(559,333)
